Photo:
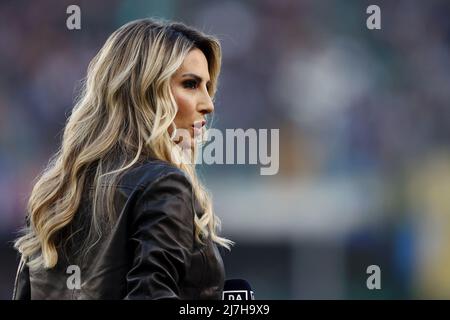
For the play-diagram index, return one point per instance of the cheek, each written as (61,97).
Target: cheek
(186,109)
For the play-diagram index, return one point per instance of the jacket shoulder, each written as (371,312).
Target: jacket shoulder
(151,171)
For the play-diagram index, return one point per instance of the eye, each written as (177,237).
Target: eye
(190,84)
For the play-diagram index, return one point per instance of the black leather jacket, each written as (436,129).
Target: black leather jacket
(151,252)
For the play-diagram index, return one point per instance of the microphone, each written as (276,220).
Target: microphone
(237,289)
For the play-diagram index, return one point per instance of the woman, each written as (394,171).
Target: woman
(119,212)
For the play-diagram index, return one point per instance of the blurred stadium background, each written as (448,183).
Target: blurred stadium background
(364,121)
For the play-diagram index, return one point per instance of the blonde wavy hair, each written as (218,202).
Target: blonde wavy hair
(121,118)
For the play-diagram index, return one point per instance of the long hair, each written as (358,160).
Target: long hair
(121,118)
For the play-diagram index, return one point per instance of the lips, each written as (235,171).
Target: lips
(198,127)
(199,124)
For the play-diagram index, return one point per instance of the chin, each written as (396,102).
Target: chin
(187,144)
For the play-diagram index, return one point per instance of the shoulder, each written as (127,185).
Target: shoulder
(153,173)
(163,192)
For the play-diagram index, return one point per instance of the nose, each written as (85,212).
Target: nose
(206,105)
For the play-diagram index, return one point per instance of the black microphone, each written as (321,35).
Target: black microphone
(237,289)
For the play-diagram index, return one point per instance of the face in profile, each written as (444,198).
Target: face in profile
(190,88)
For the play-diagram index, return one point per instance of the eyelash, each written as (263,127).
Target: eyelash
(190,84)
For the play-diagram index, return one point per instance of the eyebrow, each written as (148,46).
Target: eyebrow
(198,78)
